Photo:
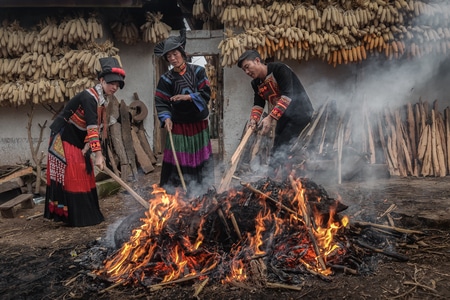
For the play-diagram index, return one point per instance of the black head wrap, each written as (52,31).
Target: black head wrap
(172,43)
(111,71)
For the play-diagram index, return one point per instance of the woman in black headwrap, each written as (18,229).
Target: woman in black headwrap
(181,99)
(71,195)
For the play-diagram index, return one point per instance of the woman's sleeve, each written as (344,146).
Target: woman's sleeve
(162,99)
(89,105)
(202,95)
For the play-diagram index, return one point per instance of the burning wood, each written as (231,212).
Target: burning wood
(182,238)
(265,234)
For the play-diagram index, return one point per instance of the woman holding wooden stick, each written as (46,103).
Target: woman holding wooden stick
(71,195)
(181,100)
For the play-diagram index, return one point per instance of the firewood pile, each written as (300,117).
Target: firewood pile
(262,234)
(337,32)
(126,144)
(412,140)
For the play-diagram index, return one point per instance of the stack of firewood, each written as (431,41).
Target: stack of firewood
(126,144)
(412,140)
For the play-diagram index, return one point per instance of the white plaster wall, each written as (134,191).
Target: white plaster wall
(14,145)
(138,62)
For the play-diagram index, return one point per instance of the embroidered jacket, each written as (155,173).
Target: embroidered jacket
(284,91)
(193,82)
(84,111)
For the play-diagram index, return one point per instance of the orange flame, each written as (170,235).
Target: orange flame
(310,240)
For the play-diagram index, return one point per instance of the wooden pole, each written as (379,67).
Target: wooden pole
(226,180)
(127,187)
(176,161)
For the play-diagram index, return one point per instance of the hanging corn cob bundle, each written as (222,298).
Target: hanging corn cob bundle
(154,30)
(254,38)
(4,38)
(231,48)
(244,16)
(340,31)
(281,13)
(78,30)
(198,10)
(13,40)
(38,65)
(50,35)
(125,32)
(230,16)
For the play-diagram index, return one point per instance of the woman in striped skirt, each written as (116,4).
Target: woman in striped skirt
(181,100)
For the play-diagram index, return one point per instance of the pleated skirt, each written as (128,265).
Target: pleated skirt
(71,194)
(193,151)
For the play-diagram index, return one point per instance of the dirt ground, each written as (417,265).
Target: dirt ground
(40,259)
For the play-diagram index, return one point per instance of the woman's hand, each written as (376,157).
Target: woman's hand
(181,98)
(168,124)
(99,160)
(85,149)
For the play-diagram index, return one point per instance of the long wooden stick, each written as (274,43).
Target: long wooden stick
(226,179)
(398,256)
(176,161)
(381,226)
(127,187)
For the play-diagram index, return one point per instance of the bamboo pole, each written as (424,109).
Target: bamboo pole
(176,161)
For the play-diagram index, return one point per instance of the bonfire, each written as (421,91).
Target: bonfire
(258,233)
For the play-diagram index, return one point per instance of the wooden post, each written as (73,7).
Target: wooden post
(126,136)
(115,134)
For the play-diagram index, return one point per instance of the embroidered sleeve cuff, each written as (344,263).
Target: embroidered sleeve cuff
(279,108)
(256,113)
(162,118)
(93,139)
(198,101)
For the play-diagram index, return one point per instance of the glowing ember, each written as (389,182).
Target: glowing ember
(179,238)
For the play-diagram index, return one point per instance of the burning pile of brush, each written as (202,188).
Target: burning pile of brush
(265,230)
